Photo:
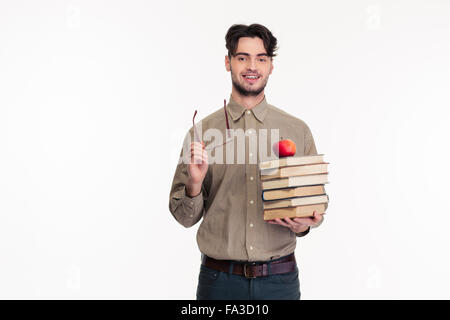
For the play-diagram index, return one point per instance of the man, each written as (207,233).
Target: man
(243,256)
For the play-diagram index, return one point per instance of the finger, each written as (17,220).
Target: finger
(304,221)
(279,221)
(202,153)
(197,145)
(197,154)
(317,217)
(196,159)
(197,149)
(273,222)
(290,222)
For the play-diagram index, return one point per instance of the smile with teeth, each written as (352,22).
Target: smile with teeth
(251,79)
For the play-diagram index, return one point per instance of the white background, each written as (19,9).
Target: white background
(95,99)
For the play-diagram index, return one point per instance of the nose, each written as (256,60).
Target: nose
(251,65)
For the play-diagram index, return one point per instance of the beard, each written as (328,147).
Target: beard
(245,91)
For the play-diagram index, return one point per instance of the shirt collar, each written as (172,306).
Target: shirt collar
(236,110)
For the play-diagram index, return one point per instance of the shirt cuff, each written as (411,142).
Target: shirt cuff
(304,233)
(193,204)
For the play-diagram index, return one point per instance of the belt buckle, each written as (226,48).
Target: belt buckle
(245,270)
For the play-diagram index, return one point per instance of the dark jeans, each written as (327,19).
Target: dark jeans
(217,285)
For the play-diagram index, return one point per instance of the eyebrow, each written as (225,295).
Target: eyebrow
(246,54)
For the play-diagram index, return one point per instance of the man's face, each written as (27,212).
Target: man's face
(251,60)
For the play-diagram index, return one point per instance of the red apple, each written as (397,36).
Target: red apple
(284,148)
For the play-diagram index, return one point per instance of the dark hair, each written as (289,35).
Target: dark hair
(237,31)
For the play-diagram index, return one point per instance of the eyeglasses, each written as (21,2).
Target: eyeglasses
(197,136)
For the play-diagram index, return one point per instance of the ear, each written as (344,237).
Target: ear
(227,63)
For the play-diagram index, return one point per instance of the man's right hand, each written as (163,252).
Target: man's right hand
(197,168)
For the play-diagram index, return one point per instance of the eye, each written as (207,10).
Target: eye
(262,60)
(241,59)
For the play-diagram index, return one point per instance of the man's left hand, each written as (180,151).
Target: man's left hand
(299,224)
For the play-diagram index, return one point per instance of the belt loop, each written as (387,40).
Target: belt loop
(265,269)
(230,269)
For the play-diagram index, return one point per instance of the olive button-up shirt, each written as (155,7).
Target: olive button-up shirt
(230,202)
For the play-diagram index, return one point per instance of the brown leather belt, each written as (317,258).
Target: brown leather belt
(251,270)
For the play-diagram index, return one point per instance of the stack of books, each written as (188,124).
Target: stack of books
(294,186)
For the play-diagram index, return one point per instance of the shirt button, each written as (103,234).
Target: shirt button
(251,225)
(251,248)
(248,112)
(251,178)
(191,216)
(251,154)
(251,201)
